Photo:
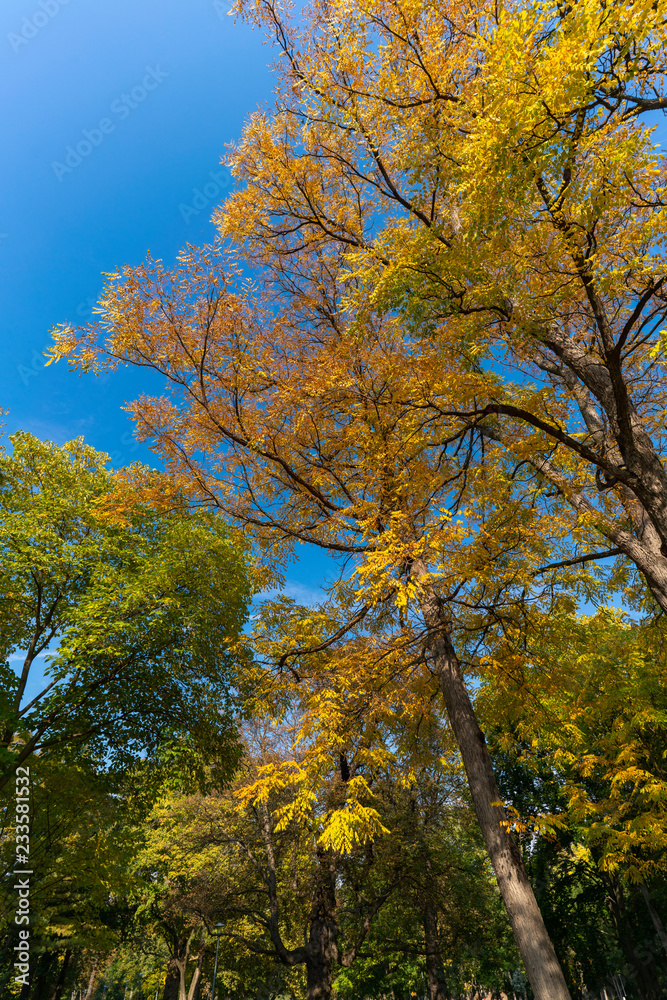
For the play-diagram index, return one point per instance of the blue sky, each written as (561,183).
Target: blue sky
(171,82)
(116,114)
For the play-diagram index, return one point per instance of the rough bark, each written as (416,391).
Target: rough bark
(535,947)
(655,916)
(437,986)
(318,979)
(60,985)
(322,948)
(172,983)
(91,980)
(642,967)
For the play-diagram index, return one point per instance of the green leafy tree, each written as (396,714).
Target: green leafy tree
(136,610)
(85,828)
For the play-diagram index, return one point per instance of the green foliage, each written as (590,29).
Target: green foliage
(84,830)
(137,616)
(439,856)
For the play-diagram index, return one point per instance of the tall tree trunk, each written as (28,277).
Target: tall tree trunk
(534,944)
(437,987)
(195,982)
(91,981)
(639,958)
(62,974)
(322,948)
(318,979)
(655,916)
(172,982)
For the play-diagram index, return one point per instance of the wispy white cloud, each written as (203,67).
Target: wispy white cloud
(299,592)
(20,657)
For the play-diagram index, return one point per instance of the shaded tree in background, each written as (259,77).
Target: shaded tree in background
(136,617)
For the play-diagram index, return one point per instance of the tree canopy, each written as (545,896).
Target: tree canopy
(136,620)
(446,368)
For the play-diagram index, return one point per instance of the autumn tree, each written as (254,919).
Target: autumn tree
(430,170)
(445,930)
(587,726)
(485,173)
(489,174)
(300,855)
(266,855)
(368,707)
(234,857)
(311,435)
